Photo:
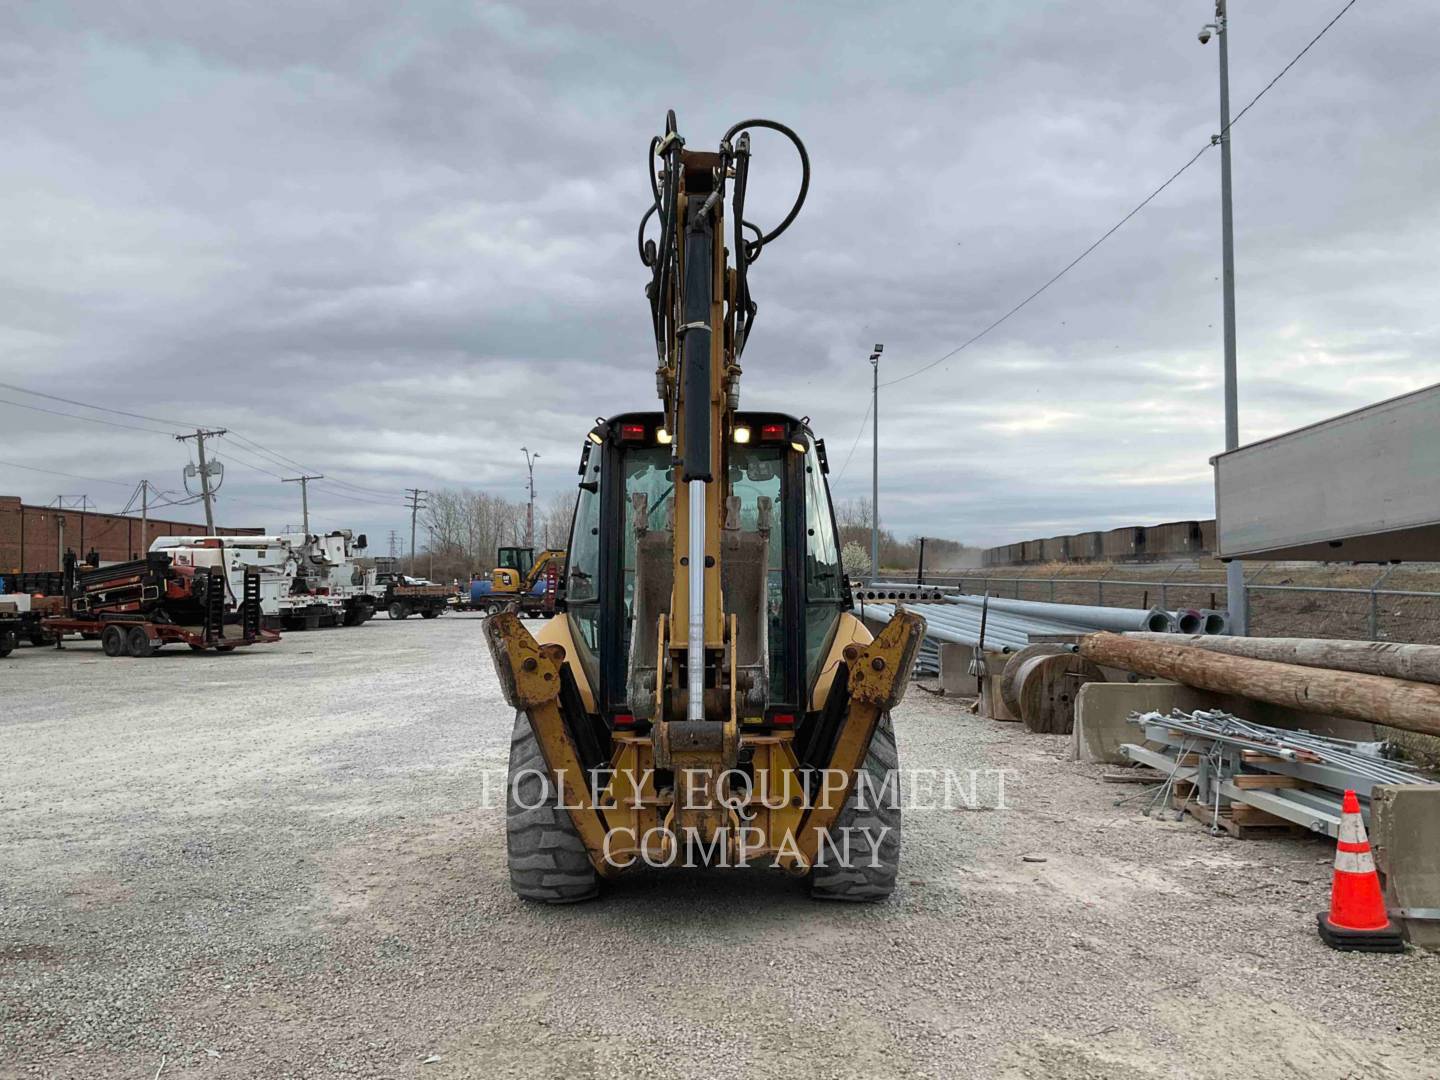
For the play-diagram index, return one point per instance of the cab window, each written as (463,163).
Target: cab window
(825,590)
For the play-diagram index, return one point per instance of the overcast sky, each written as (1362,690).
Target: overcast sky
(396,242)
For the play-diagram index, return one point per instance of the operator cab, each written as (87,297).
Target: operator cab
(519,559)
(772,456)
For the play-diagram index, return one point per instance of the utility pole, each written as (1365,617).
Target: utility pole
(920,564)
(875,465)
(75,502)
(1236,600)
(415,495)
(530,460)
(144,518)
(304,482)
(200,436)
(394,544)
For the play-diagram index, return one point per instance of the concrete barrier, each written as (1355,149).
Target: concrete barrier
(1404,824)
(956,679)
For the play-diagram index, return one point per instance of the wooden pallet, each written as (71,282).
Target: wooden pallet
(1241,821)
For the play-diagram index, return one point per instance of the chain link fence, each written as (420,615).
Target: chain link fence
(1286,600)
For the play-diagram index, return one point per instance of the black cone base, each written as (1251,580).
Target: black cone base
(1387,940)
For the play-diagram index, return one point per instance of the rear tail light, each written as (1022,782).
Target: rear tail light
(624,720)
(783,719)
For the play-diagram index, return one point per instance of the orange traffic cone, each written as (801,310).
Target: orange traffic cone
(1357,920)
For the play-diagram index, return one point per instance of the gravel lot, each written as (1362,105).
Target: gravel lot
(279,863)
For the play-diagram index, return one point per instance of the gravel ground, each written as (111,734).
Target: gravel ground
(279,863)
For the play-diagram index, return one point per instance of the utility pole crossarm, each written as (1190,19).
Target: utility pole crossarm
(200,436)
(304,482)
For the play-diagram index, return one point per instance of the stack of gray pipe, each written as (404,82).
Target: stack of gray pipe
(961,625)
(1009,624)
(1121,620)
(1202,621)
(1083,616)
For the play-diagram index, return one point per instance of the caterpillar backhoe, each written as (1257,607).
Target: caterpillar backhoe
(705,696)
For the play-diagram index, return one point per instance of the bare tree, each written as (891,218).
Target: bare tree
(466,527)
(554,524)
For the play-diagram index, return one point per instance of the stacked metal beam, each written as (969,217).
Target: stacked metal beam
(1226,758)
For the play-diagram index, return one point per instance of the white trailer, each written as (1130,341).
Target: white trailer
(1360,487)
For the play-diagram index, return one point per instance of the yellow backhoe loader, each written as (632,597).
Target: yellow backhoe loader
(705,695)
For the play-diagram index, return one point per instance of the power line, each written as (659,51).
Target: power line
(87,419)
(1140,206)
(97,408)
(1293,61)
(71,476)
(357,498)
(1067,268)
(273,456)
(230,455)
(869,405)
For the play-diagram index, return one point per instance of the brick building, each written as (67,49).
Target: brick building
(32,537)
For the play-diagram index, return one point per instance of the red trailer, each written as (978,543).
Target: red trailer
(137,607)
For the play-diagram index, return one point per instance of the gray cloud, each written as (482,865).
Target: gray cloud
(397,242)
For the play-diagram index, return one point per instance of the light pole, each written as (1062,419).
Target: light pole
(1235,598)
(875,465)
(530,460)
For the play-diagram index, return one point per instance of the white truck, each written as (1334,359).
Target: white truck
(330,575)
(306,581)
(270,556)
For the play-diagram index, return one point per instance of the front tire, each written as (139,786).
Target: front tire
(547,859)
(866,871)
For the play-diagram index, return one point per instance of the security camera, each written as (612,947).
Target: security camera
(1204,36)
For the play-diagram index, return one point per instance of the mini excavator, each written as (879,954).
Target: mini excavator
(704,696)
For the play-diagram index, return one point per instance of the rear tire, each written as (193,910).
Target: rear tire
(137,642)
(398,611)
(429,614)
(547,859)
(8,640)
(870,871)
(112,641)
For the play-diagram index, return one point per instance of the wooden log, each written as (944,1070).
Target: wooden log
(1418,663)
(1413,706)
(1046,688)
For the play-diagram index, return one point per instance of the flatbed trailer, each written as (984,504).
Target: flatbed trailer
(9,632)
(400,601)
(538,602)
(134,609)
(135,635)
